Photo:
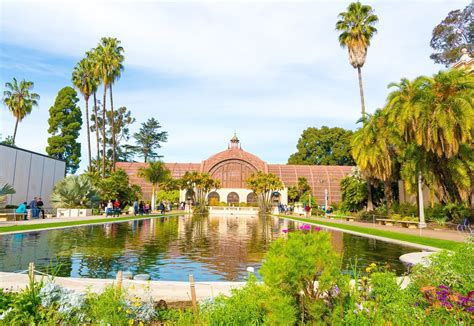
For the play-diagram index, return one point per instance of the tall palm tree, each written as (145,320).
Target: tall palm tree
(109,56)
(83,79)
(19,100)
(357,27)
(155,173)
(374,148)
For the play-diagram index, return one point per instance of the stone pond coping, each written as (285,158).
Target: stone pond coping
(365,235)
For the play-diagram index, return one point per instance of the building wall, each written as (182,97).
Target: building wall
(241,192)
(31,174)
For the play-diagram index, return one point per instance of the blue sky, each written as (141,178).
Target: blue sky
(204,69)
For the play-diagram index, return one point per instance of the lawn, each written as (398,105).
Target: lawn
(437,243)
(33,227)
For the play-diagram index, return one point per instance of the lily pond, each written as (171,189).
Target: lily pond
(171,248)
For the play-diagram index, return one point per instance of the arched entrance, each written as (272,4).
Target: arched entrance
(233,198)
(213,198)
(252,198)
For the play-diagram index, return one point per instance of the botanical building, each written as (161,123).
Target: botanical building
(234,165)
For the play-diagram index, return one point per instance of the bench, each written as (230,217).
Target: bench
(349,218)
(409,224)
(11,217)
(388,222)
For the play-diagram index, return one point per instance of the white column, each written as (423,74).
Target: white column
(422,223)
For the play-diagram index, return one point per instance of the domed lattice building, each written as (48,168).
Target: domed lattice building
(234,165)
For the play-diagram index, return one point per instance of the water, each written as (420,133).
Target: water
(171,248)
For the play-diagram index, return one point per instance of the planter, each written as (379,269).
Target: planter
(74,212)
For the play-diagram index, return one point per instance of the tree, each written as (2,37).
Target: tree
(148,139)
(155,173)
(65,121)
(199,185)
(117,186)
(354,192)
(75,191)
(264,184)
(8,141)
(300,190)
(83,79)
(357,27)
(5,190)
(19,100)
(453,34)
(374,147)
(109,66)
(323,146)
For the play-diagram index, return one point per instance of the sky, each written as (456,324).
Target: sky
(204,70)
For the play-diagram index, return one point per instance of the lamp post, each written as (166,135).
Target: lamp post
(422,223)
(325,202)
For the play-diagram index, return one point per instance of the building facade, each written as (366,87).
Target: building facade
(234,165)
(31,174)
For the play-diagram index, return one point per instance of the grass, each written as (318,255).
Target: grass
(41,226)
(426,241)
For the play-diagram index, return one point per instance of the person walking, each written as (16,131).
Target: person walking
(141,208)
(307,209)
(34,208)
(135,208)
(109,208)
(162,208)
(40,205)
(116,208)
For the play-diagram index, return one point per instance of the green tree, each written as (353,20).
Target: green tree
(353,192)
(75,191)
(8,141)
(264,184)
(300,190)
(109,58)
(148,139)
(323,146)
(357,29)
(5,190)
(65,121)
(19,100)
(155,173)
(83,79)
(117,186)
(198,185)
(374,147)
(453,34)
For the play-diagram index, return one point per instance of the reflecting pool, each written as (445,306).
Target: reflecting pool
(171,248)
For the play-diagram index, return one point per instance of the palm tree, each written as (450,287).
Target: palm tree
(357,27)
(109,55)
(155,173)
(83,79)
(75,191)
(374,148)
(19,100)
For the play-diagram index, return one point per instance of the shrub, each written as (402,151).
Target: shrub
(75,191)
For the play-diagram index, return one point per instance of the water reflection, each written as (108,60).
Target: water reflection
(170,248)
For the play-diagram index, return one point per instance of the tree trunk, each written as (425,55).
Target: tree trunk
(113,128)
(361,89)
(14,132)
(86,99)
(370,203)
(153,197)
(104,121)
(97,133)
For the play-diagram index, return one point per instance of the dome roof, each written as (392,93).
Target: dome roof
(231,154)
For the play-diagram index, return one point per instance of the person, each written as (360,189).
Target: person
(40,205)
(116,207)
(307,209)
(109,208)
(34,208)
(135,208)
(162,207)
(147,208)
(141,207)
(21,210)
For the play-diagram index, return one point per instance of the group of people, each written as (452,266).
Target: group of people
(112,208)
(36,207)
(140,208)
(165,206)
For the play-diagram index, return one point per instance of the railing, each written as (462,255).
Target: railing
(230,210)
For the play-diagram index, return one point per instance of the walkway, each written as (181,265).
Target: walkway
(451,235)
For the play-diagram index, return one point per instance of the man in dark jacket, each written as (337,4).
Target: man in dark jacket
(40,205)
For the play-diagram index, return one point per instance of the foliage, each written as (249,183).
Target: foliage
(148,139)
(155,173)
(19,100)
(453,34)
(116,186)
(170,196)
(8,141)
(353,193)
(263,185)
(65,121)
(75,191)
(323,146)
(5,190)
(198,185)
(300,191)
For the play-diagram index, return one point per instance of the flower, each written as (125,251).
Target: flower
(131,322)
(336,290)
(317,228)
(284,230)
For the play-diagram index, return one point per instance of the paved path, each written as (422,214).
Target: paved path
(436,234)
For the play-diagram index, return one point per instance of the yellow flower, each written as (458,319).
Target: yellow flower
(140,324)
(128,311)
(131,322)
(368,269)
(373,265)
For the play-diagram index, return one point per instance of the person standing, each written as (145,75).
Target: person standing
(40,205)
(135,208)
(109,208)
(162,207)
(33,208)
(141,208)
(116,208)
